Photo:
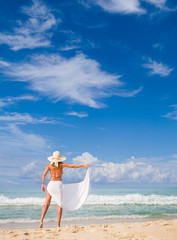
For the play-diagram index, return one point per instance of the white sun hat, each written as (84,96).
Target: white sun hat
(56,158)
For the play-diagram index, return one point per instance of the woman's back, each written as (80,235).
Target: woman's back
(56,172)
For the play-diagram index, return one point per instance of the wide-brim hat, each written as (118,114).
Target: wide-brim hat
(56,158)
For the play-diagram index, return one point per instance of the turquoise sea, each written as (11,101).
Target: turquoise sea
(19,206)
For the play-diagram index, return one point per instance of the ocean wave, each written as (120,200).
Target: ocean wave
(23,220)
(132,199)
(29,220)
(129,199)
(5,201)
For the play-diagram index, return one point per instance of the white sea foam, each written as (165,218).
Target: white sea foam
(152,199)
(21,201)
(23,220)
(29,220)
(98,200)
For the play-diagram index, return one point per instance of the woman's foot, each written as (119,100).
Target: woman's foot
(58,225)
(41,224)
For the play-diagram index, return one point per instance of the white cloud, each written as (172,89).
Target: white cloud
(4,102)
(173,114)
(157,68)
(85,158)
(4,63)
(119,6)
(68,47)
(112,172)
(157,3)
(23,118)
(77,114)
(130,6)
(34,32)
(77,79)
(130,171)
(147,173)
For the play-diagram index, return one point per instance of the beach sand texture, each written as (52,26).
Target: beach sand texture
(151,230)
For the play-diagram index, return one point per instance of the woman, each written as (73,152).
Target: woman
(67,196)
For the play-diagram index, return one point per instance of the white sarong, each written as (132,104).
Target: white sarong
(69,196)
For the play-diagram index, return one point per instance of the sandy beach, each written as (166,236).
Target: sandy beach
(150,230)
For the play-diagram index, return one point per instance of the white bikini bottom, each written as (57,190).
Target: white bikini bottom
(69,196)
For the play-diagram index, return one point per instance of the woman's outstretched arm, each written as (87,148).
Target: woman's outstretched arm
(74,165)
(43,177)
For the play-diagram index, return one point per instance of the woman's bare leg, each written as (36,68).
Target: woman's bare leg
(59,211)
(45,207)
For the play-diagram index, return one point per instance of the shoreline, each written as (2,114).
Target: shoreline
(83,222)
(147,230)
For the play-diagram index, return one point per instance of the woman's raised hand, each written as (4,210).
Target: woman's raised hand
(86,165)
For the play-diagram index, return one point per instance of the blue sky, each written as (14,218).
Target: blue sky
(93,79)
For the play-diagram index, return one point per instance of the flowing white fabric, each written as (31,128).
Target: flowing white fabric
(70,196)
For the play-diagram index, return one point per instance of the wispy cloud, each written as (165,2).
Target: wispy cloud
(130,6)
(158,46)
(101,128)
(4,63)
(68,47)
(75,41)
(34,32)
(161,4)
(157,3)
(77,114)
(157,68)
(23,118)
(126,93)
(78,79)
(173,114)
(15,139)
(29,167)
(31,171)
(4,102)
(119,6)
